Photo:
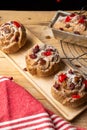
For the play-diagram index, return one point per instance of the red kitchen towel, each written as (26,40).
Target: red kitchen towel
(19,110)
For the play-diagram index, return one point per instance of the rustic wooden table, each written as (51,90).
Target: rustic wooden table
(32,19)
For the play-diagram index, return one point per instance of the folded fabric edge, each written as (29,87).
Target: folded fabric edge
(59,123)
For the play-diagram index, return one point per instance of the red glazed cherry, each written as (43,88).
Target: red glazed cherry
(67,19)
(75,96)
(62,77)
(47,53)
(16,24)
(81,20)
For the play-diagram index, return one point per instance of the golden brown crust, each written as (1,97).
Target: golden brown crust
(70,88)
(43,65)
(62,99)
(12,37)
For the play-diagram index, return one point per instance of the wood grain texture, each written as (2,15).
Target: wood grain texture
(42,84)
(32,20)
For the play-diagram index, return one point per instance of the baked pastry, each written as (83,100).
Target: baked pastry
(73,23)
(42,60)
(12,36)
(70,88)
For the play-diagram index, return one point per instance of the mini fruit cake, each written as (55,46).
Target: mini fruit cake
(70,88)
(12,36)
(74,23)
(42,60)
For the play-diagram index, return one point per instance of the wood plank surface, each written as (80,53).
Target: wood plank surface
(42,84)
(32,20)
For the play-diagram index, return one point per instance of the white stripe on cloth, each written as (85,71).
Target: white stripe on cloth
(60,124)
(3,79)
(66,126)
(30,122)
(53,116)
(23,119)
(41,129)
(56,120)
(31,127)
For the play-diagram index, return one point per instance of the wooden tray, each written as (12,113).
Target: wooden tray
(43,85)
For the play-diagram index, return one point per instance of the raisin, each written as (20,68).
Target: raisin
(72,86)
(61,29)
(50,49)
(33,56)
(56,85)
(42,61)
(25,69)
(67,26)
(70,71)
(83,16)
(76,32)
(48,37)
(72,14)
(36,49)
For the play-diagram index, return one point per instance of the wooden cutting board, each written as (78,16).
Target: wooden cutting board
(43,85)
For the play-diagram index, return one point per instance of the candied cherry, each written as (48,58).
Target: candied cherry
(68,18)
(75,96)
(47,53)
(16,24)
(62,77)
(81,20)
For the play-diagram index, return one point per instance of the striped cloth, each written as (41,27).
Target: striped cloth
(19,110)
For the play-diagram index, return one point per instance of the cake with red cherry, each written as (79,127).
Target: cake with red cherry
(70,88)
(12,36)
(42,60)
(73,23)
